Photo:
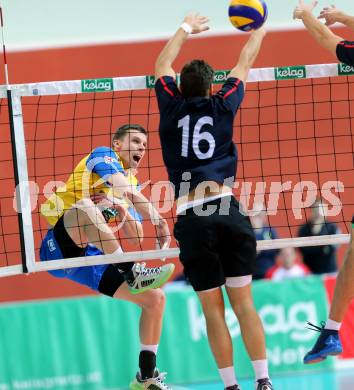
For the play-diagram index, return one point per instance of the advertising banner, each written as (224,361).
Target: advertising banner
(284,308)
(92,343)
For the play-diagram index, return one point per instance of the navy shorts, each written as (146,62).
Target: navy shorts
(345,52)
(216,246)
(57,244)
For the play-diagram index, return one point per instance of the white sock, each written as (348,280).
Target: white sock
(118,251)
(152,348)
(228,376)
(332,325)
(260,369)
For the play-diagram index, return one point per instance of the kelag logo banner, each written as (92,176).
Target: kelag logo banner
(344,69)
(97,85)
(290,72)
(92,343)
(284,308)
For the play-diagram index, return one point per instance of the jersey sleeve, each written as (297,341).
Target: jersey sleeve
(232,94)
(166,91)
(103,161)
(132,210)
(345,52)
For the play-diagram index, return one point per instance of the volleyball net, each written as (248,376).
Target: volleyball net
(295,140)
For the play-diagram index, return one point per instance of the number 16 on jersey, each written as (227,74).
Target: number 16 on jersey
(197,137)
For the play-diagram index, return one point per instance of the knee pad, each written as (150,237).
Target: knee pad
(238,281)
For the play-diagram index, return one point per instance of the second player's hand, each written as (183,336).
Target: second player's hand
(197,22)
(303,8)
(331,15)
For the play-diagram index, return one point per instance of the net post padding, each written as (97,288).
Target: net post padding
(22,183)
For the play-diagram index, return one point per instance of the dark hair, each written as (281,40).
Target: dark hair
(196,78)
(123,130)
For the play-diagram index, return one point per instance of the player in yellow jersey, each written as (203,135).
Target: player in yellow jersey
(80,215)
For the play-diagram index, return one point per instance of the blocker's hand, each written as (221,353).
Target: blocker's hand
(197,22)
(303,8)
(331,15)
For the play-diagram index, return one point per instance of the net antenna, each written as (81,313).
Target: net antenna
(17,138)
(6,72)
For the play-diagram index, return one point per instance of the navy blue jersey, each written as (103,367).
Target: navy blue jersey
(345,52)
(196,134)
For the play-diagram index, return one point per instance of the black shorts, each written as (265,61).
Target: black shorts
(345,52)
(110,277)
(217,246)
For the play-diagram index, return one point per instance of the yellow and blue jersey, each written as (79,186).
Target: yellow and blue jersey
(90,176)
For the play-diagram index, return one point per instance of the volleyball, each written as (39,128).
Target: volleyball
(247,15)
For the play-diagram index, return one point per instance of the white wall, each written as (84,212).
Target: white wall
(47,23)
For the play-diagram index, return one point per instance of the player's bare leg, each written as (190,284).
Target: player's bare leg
(86,224)
(252,331)
(218,334)
(152,304)
(253,336)
(344,290)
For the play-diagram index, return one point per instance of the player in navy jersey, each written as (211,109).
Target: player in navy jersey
(342,49)
(217,243)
